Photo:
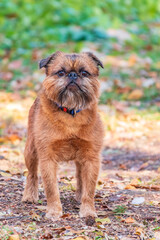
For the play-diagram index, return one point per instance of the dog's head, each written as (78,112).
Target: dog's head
(71,79)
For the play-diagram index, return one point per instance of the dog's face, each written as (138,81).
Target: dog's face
(71,79)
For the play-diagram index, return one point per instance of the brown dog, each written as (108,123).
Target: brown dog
(64,125)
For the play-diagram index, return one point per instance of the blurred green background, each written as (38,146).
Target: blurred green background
(125,34)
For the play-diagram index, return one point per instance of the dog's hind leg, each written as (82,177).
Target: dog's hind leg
(31,189)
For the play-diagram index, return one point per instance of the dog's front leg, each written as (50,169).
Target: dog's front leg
(48,169)
(89,175)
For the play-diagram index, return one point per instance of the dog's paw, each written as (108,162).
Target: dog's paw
(53,214)
(54,211)
(87,211)
(30,198)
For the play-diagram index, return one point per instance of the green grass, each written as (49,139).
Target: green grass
(120,209)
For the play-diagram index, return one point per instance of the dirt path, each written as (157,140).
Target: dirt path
(127,196)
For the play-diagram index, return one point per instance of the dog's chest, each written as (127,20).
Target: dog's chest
(69,149)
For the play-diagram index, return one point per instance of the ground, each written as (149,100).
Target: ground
(128,190)
(126,39)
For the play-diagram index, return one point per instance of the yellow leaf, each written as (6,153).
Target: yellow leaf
(14,237)
(129,186)
(25,173)
(103,220)
(136,94)
(2,140)
(139,231)
(132,60)
(6,174)
(13,138)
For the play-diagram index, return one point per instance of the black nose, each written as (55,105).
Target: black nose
(73,76)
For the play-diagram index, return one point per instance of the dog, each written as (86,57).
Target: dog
(64,124)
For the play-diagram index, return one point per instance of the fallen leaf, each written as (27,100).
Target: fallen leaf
(13,138)
(14,237)
(144,165)
(123,166)
(66,215)
(103,220)
(135,181)
(136,94)
(132,60)
(60,230)
(139,232)
(129,220)
(47,236)
(25,173)
(6,174)
(129,186)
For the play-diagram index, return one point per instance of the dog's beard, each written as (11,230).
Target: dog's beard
(80,97)
(77,99)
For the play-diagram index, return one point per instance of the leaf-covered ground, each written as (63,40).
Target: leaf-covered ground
(128,191)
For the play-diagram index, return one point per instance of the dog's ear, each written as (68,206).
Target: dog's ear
(95,59)
(45,61)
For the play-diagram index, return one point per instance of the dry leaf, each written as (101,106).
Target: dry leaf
(103,220)
(135,181)
(25,173)
(130,187)
(14,237)
(123,166)
(13,138)
(136,94)
(144,165)
(129,220)
(139,232)
(132,60)
(66,215)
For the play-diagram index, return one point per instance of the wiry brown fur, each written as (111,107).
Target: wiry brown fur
(54,135)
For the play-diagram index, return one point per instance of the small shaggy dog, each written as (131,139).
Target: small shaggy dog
(64,125)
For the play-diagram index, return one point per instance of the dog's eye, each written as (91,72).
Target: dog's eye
(84,74)
(61,73)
